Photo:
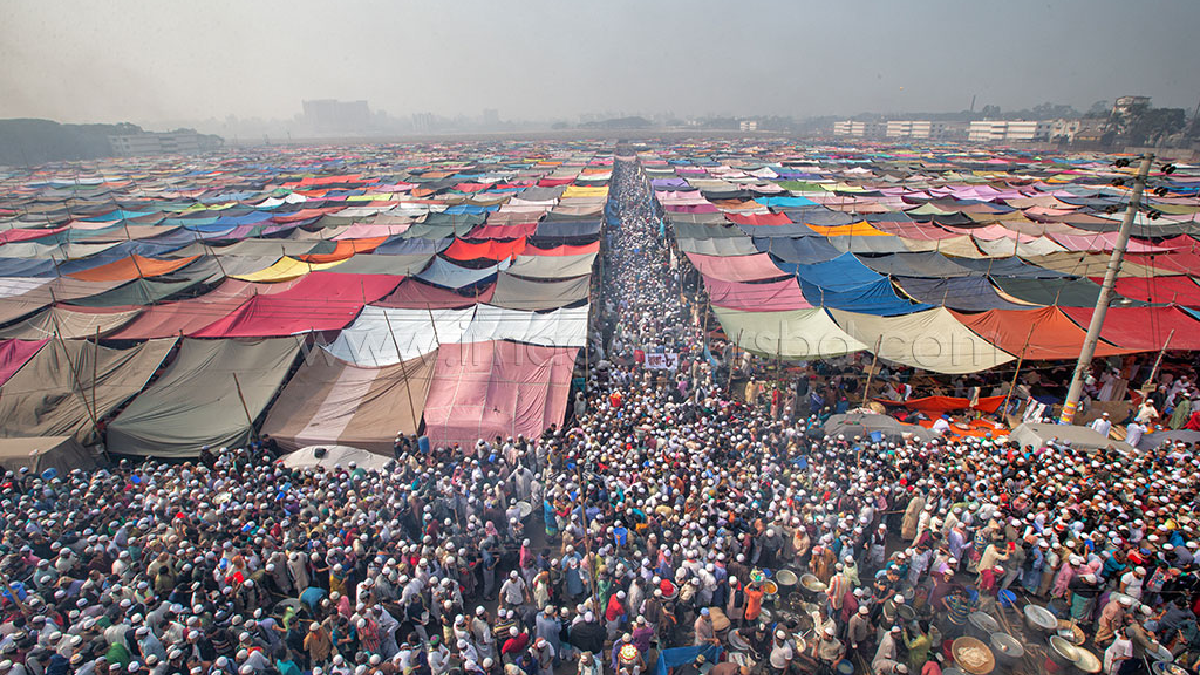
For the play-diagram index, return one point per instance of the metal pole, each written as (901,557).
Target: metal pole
(1110,278)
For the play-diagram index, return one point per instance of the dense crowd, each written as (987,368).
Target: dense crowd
(659,516)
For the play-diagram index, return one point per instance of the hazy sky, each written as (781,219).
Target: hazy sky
(115,60)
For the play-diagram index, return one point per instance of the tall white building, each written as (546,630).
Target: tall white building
(1007,131)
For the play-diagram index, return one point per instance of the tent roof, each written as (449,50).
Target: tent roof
(196,401)
(1143,328)
(791,335)
(334,455)
(933,340)
(771,296)
(1038,433)
(38,453)
(53,393)
(332,402)
(485,389)
(757,267)
(1044,334)
(527,294)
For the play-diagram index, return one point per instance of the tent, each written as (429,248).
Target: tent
(69,385)
(320,301)
(909,264)
(1168,290)
(416,294)
(877,298)
(864,424)
(933,340)
(38,453)
(722,246)
(14,354)
(496,388)
(801,250)
(791,335)
(385,336)
(1038,434)
(332,402)
(334,456)
(183,317)
(71,322)
(552,267)
(770,296)
(966,294)
(1043,334)
(757,267)
(442,272)
(1064,292)
(209,395)
(517,293)
(1152,441)
(1143,328)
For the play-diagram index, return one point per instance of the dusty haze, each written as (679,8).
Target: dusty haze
(146,60)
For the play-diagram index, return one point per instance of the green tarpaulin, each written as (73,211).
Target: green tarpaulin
(196,402)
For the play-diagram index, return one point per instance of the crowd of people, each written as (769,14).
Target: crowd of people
(658,516)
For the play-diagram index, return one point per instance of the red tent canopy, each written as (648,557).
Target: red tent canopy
(320,301)
(416,294)
(1143,328)
(1162,290)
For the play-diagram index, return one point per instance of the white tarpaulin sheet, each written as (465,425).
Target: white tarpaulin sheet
(933,340)
(368,342)
(565,327)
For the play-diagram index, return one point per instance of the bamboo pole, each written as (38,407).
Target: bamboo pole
(245,408)
(871,374)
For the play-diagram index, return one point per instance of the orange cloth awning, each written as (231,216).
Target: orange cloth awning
(131,268)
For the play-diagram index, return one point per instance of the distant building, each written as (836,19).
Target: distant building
(1127,105)
(1091,130)
(491,117)
(329,116)
(1065,129)
(748,125)
(859,129)
(1007,131)
(922,129)
(178,142)
(908,129)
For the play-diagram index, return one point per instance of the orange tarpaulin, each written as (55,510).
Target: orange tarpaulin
(131,268)
(1044,333)
(975,429)
(491,249)
(345,248)
(941,404)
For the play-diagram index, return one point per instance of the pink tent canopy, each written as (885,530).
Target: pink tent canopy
(757,267)
(772,296)
(168,319)
(496,387)
(14,354)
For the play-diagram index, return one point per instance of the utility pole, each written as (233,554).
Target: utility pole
(1110,278)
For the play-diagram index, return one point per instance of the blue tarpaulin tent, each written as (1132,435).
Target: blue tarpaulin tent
(678,656)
